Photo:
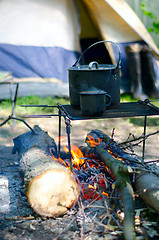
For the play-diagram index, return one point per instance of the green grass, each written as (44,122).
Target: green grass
(128,98)
(5,105)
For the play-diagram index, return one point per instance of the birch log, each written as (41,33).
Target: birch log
(147,186)
(50,188)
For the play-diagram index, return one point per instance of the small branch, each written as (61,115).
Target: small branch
(19,218)
(139,138)
(64,230)
(120,171)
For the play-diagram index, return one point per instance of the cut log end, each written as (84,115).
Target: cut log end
(52,193)
(147,185)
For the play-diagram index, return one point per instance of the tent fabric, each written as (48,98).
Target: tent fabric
(111,26)
(44,23)
(31,61)
(38,38)
(130,17)
(117,22)
(41,38)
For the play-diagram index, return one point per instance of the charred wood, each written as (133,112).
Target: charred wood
(146,182)
(123,183)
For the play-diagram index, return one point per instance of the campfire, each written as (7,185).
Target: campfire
(103,177)
(101,181)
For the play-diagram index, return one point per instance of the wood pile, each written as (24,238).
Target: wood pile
(106,172)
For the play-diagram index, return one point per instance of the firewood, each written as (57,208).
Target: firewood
(30,139)
(147,186)
(123,183)
(102,139)
(50,188)
(146,183)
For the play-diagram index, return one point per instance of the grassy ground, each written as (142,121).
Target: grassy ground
(6,104)
(6,107)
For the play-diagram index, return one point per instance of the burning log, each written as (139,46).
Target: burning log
(121,173)
(97,137)
(50,188)
(146,181)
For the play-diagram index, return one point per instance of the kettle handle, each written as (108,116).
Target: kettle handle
(119,60)
(93,63)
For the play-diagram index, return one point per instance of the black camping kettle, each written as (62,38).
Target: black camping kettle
(93,77)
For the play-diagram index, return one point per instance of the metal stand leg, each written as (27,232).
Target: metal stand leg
(68,131)
(59,143)
(14,98)
(143,150)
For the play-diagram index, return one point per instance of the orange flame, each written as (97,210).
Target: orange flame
(78,158)
(120,159)
(92,141)
(89,191)
(60,160)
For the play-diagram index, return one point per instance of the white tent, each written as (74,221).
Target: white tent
(41,38)
(38,38)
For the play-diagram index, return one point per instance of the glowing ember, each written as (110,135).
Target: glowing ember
(88,173)
(90,186)
(105,194)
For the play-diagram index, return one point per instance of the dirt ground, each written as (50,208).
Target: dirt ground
(12,197)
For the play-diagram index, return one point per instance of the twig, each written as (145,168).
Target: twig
(120,171)
(94,206)
(68,225)
(83,218)
(106,205)
(113,132)
(145,170)
(19,218)
(94,200)
(141,137)
(157,160)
